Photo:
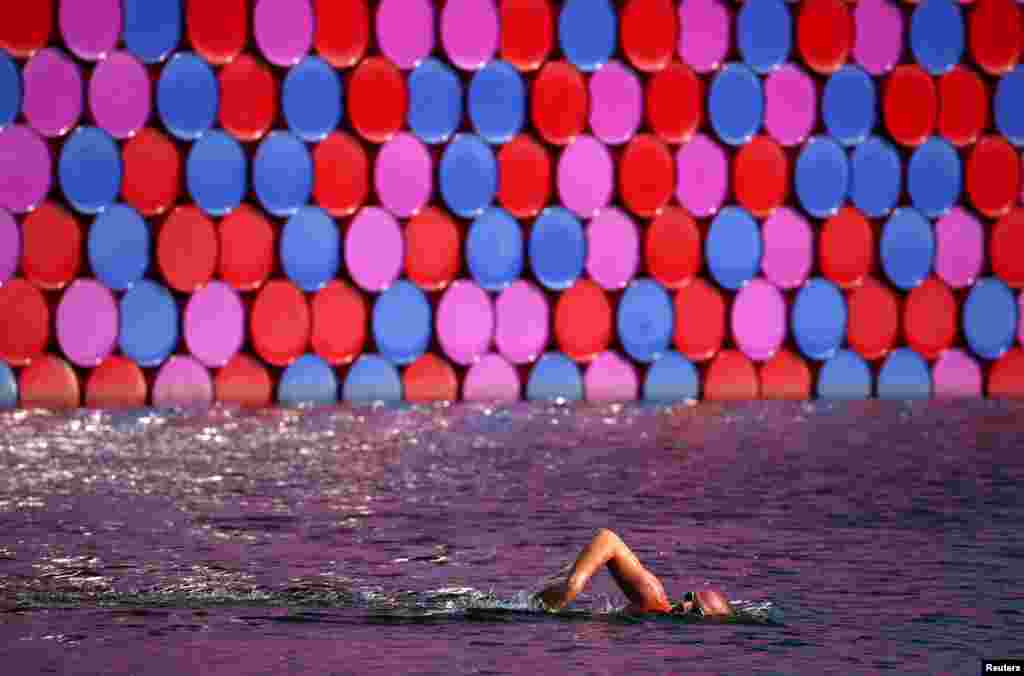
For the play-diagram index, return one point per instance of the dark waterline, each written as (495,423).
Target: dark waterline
(863,536)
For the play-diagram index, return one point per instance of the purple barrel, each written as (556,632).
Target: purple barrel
(405,31)
(10,246)
(52,99)
(119,95)
(613,249)
(759,320)
(959,248)
(25,167)
(214,324)
(182,381)
(616,103)
(491,379)
(704,35)
(283,30)
(403,175)
(702,176)
(788,248)
(610,378)
(586,176)
(374,249)
(465,322)
(521,323)
(956,374)
(87,322)
(90,28)
(469,32)
(878,35)
(790,105)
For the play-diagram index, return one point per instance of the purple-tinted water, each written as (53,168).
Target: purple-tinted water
(863,537)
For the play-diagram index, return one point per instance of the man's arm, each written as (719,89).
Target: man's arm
(643,589)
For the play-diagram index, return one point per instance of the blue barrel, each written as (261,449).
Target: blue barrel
(588,32)
(310,248)
(494,249)
(120,247)
(819,319)
(904,375)
(764,34)
(282,173)
(558,248)
(736,104)
(217,173)
(672,377)
(497,102)
(876,177)
(733,247)
(149,320)
(907,248)
(468,175)
(435,101)
(152,28)
(645,320)
(554,376)
(402,323)
(8,387)
(1007,103)
(90,170)
(187,96)
(937,35)
(848,105)
(822,176)
(844,376)
(372,378)
(934,177)
(990,318)
(10,90)
(308,380)
(312,99)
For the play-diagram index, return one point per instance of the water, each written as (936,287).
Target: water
(860,537)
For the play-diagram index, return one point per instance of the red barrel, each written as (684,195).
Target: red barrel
(786,376)
(846,248)
(909,105)
(672,248)
(186,249)
(117,382)
(246,240)
(995,35)
(51,247)
(340,317)
(218,30)
(279,323)
(151,179)
(559,102)
(527,32)
(248,98)
(524,176)
(27,28)
(377,99)
(430,378)
(583,321)
(731,376)
(1005,247)
(674,103)
(761,176)
(49,382)
(873,320)
(824,34)
(963,106)
(341,180)
(993,175)
(930,318)
(647,175)
(1006,376)
(700,316)
(244,381)
(649,31)
(432,249)
(24,322)
(342,31)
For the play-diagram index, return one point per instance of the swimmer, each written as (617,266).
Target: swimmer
(643,589)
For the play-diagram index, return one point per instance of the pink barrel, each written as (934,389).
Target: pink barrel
(90,28)
(10,246)
(522,319)
(465,322)
(610,378)
(956,374)
(704,33)
(25,166)
(52,99)
(469,32)
(613,249)
(616,103)
(491,379)
(878,35)
(405,31)
(374,249)
(959,248)
(87,323)
(403,175)
(119,95)
(788,248)
(283,30)
(759,320)
(790,104)
(182,381)
(214,324)
(702,176)
(586,176)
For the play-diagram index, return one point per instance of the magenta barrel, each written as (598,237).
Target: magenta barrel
(373,249)
(119,95)
(616,103)
(878,35)
(469,32)
(702,176)
(405,31)
(790,105)
(759,320)
(613,248)
(90,28)
(522,320)
(283,30)
(465,322)
(705,33)
(610,378)
(959,248)
(788,248)
(10,246)
(214,324)
(25,168)
(87,323)
(182,381)
(52,98)
(492,379)
(586,176)
(403,175)
(956,374)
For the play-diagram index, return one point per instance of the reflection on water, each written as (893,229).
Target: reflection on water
(857,536)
